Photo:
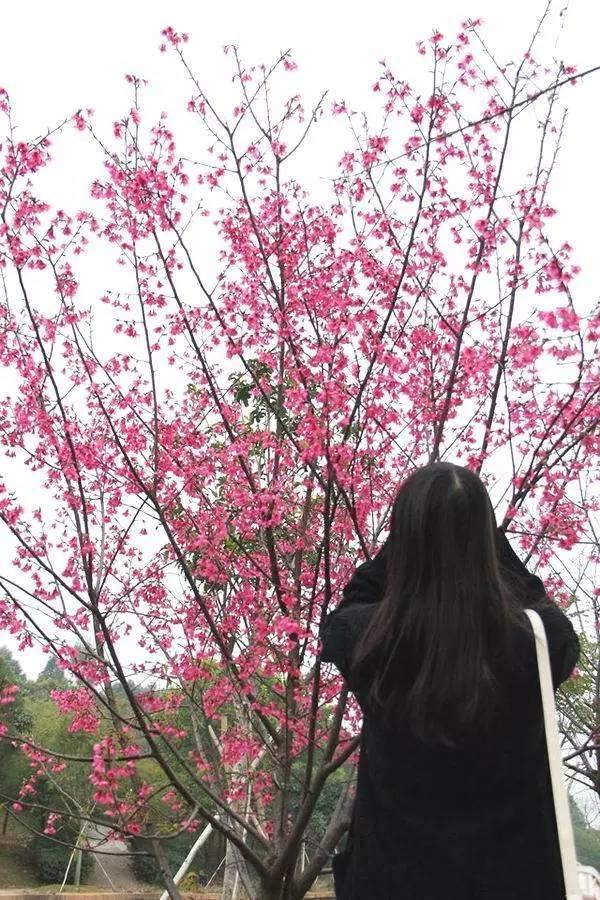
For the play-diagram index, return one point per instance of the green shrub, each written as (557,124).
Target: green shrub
(145,868)
(50,859)
(587,843)
(189,882)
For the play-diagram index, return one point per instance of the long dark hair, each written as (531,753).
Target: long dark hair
(447,616)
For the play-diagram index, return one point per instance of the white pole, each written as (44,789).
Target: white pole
(68,868)
(215,872)
(79,858)
(189,859)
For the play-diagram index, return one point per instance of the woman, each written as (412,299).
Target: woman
(453,797)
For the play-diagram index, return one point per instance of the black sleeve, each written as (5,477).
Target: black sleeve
(368,581)
(570,658)
(564,646)
(337,642)
(342,632)
(524,582)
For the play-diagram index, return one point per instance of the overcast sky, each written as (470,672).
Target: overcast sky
(56,57)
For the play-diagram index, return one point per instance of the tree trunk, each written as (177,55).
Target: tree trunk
(284,889)
(236,878)
(165,870)
(229,873)
(338,825)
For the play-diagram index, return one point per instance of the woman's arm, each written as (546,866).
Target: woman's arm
(338,634)
(564,645)
(368,581)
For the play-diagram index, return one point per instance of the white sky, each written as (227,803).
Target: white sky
(56,57)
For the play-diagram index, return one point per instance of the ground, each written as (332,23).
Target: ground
(113,871)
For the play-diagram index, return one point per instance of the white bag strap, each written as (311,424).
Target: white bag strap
(559,788)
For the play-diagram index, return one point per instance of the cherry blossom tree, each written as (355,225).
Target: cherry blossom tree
(194,464)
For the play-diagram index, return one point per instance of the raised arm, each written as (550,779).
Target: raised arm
(338,634)
(368,581)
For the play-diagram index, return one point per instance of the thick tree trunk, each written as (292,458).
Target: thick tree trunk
(270,892)
(284,889)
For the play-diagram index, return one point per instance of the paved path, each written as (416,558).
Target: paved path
(113,871)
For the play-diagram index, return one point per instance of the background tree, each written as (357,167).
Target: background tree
(587,839)
(17,720)
(579,701)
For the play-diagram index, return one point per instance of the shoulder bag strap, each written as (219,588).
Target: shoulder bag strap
(559,789)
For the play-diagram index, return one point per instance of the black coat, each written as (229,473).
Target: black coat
(472,823)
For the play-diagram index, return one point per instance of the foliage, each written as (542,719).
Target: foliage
(587,844)
(51,859)
(577,702)
(587,840)
(18,721)
(145,868)
(50,678)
